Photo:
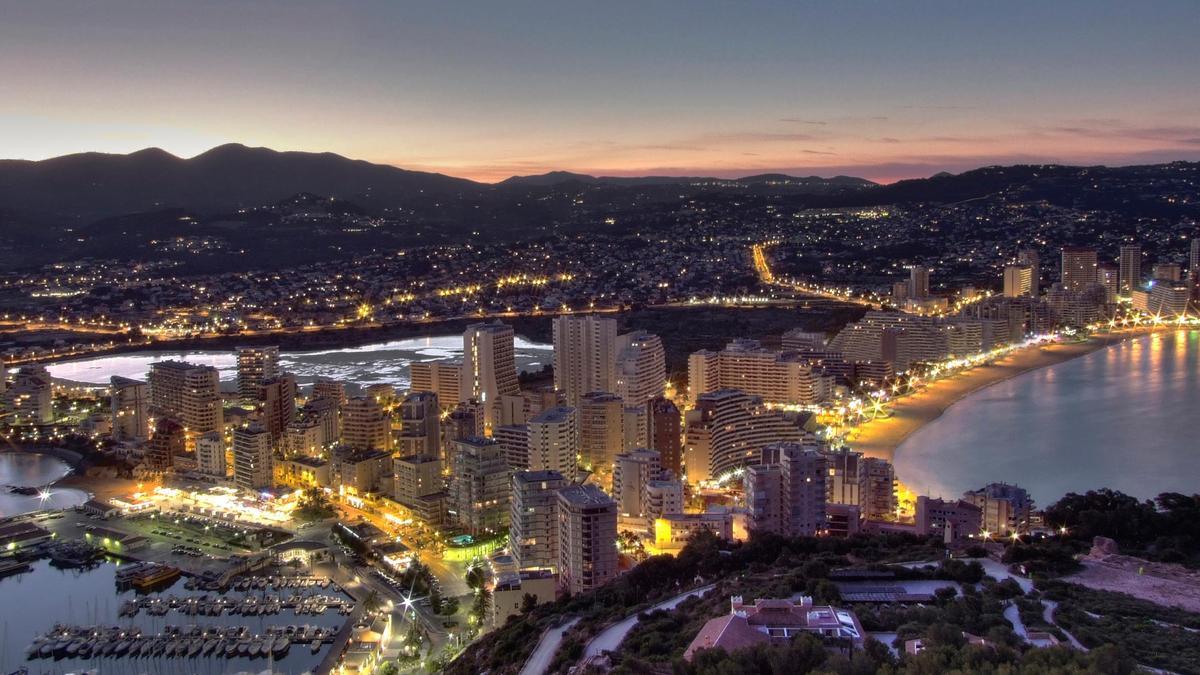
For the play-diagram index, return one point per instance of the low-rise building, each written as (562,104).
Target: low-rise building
(774,621)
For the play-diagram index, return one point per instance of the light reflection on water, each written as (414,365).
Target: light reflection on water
(21,469)
(1122,417)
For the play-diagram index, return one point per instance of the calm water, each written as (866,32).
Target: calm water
(31,603)
(1123,417)
(26,469)
(385,362)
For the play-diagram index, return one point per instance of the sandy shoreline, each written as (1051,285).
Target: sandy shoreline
(880,438)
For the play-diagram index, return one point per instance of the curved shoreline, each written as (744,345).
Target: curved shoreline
(882,437)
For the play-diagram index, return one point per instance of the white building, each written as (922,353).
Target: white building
(641,367)
(585,349)
(554,441)
(210,455)
(533,524)
(489,368)
(252,457)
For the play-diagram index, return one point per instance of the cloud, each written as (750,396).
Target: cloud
(938,107)
(754,137)
(817,152)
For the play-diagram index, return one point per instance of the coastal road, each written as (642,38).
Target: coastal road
(539,661)
(612,637)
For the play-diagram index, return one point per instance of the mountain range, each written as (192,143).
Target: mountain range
(89,186)
(235,205)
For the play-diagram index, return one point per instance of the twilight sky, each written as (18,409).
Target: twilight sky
(489,89)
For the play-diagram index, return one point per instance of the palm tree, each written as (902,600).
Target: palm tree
(372,603)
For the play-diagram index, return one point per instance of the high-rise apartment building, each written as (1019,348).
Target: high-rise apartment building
(1169,272)
(1030,258)
(664,431)
(554,441)
(842,480)
(190,394)
(953,521)
(1079,267)
(325,389)
(252,457)
(420,425)
(777,377)
(877,488)
(416,476)
(585,351)
(1109,276)
(30,399)
(365,425)
(254,365)
(587,538)
(442,378)
(210,455)
(1018,281)
(601,431)
(918,281)
(166,443)
(641,367)
(277,396)
(533,524)
(130,409)
(1130,262)
(662,497)
(798,339)
(489,368)
(788,496)
(632,471)
(514,438)
(728,429)
(1194,258)
(480,486)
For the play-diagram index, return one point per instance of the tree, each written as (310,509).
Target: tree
(475,577)
(372,603)
(528,603)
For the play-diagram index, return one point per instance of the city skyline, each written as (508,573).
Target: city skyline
(882,92)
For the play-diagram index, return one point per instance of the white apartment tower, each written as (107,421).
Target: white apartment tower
(641,367)
(489,368)
(533,524)
(585,350)
(252,457)
(190,394)
(255,364)
(130,409)
(210,455)
(554,441)
(1018,281)
(632,471)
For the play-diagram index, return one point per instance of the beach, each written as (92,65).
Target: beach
(881,437)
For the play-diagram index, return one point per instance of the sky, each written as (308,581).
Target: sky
(485,90)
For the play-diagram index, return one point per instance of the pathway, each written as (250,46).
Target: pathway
(1013,614)
(612,637)
(1048,609)
(547,647)
(1000,572)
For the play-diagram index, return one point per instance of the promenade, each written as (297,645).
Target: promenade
(881,437)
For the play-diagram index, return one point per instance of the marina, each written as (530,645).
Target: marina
(192,641)
(90,618)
